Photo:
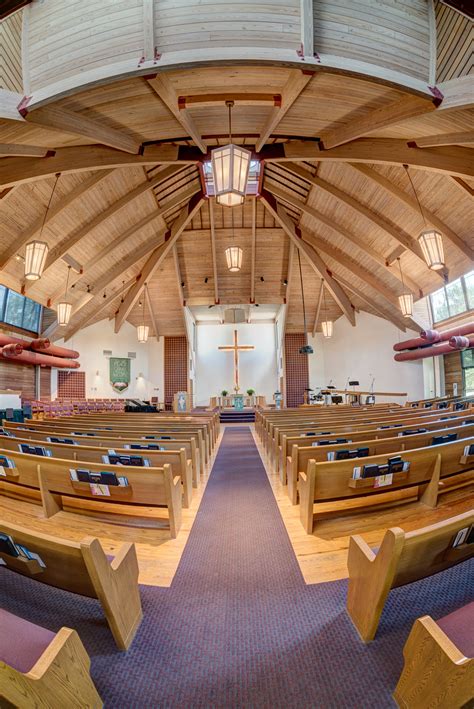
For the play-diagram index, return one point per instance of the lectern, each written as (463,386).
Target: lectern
(181,402)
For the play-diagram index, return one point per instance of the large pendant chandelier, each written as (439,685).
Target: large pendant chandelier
(37,250)
(326,325)
(64,309)
(143,330)
(406,299)
(234,254)
(430,240)
(230,170)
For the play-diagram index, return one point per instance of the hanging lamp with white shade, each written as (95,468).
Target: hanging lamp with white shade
(326,325)
(37,250)
(64,309)
(230,170)
(234,254)
(429,239)
(406,299)
(143,330)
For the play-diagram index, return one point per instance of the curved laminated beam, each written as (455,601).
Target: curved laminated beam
(311,256)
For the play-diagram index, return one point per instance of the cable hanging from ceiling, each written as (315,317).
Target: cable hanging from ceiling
(37,250)
(230,169)
(429,239)
(142,329)
(306,349)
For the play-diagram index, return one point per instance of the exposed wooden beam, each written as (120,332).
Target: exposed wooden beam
(213,249)
(7,192)
(463,185)
(79,159)
(64,246)
(25,151)
(163,87)
(306,28)
(318,308)
(148,31)
(152,314)
(311,256)
(53,117)
(433,141)
(341,231)
(290,272)
(395,112)
(179,280)
(391,229)
(55,210)
(102,305)
(296,82)
(157,257)
(451,160)
(411,202)
(253,250)
(432,42)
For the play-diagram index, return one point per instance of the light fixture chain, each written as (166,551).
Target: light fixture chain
(416,195)
(58,175)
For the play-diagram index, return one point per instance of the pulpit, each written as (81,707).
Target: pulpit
(181,402)
(238,402)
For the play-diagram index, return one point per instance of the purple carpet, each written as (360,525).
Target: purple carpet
(239,627)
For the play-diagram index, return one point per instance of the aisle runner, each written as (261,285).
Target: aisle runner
(238,627)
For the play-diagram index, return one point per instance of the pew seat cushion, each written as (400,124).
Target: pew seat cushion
(459,627)
(22,643)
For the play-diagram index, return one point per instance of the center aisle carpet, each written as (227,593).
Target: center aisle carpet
(238,627)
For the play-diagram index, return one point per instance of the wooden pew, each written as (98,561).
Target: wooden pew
(177,459)
(333,482)
(110,439)
(403,557)
(301,455)
(439,662)
(83,568)
(39,668)
(148,487)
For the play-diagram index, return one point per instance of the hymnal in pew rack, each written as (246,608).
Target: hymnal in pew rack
(346,453)
(468,455)
(136,460)
(144,447)
(66,441)
(98,483)
(8,467)
(35,450)
(18,558)
(394,470)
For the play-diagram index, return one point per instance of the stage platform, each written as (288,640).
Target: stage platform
(229,415)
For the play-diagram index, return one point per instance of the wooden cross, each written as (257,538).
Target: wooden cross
(235,349)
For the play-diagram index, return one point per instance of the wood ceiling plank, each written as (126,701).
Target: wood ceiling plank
(383,117)
(152,314)
(311,256)
(318,307)
(56,209)
(296,82)
(164,89)
(25,151)
(53,117)
(157,257)
(412,202)
(463,185)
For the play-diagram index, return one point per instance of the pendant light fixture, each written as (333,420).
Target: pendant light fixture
(430,239)
(306,349)
(230,170)
(406,299)
(143,330)
(234,254)
(326,325)
(37,250)
(64,310)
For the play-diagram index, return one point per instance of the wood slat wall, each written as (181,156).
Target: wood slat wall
(45,383)
(19,377)
(455,37)
(10,53)
(175,367)
(296,369)
(452,372)
(390,33)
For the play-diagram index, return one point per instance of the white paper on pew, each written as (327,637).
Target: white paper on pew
(383,480)
(2,471)
(100,490)
(2,563)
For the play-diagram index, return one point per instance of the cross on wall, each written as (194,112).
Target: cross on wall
(236,348)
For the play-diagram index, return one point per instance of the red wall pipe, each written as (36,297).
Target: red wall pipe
(39,344)
(28,357)
(428,337)
(435,350)
(13,349)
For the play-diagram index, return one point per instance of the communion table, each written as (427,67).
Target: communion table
(10,399)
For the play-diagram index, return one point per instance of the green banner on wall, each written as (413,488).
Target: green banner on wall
(119,370)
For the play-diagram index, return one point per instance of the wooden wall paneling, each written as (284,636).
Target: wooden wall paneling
(19,377)
(45,382)
(296,369)
(71,385)
(452,373)
(455,37)
(175,367)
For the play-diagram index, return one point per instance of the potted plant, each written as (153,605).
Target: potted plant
(224,392)
(250,392)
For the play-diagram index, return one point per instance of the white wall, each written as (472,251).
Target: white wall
(361,353)
(215,369)
(91,341)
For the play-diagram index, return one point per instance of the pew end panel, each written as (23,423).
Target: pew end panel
(307,484)
(116,586)
(436,672)
(370,579)
(60,678)
(174,501)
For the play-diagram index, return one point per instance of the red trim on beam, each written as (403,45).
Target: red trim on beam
(22,106)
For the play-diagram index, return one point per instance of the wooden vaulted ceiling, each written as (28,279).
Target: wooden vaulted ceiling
(128,215)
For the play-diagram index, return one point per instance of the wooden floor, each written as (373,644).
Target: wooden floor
(321,556)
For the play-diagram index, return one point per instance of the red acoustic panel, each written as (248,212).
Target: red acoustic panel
(176,367)
(296,364)
(71,385)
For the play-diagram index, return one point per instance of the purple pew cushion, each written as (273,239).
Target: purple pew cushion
(459,627)
(22,643)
